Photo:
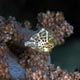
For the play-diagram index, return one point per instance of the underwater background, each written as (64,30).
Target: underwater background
(68,54)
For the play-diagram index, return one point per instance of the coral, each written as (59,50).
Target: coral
(3,64)
(24,53)
(56,23)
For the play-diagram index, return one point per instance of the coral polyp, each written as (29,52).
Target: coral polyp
(24,53)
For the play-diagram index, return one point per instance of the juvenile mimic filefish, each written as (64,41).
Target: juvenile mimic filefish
(42,41)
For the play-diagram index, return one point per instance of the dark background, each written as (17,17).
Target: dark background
(67,55)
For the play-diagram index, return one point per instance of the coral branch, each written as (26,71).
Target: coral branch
(25,52)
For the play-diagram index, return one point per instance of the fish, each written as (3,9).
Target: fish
(42,41)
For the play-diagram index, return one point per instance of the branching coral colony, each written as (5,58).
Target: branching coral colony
(24,52)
